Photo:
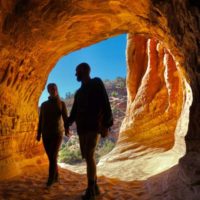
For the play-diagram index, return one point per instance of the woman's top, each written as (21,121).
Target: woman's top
(52,119)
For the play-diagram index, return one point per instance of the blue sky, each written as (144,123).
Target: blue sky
(106,58)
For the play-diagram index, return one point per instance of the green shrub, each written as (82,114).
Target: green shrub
(104,147)
(114,94)
(70,156)
(70,151)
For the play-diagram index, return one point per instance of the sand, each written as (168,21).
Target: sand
(71,185)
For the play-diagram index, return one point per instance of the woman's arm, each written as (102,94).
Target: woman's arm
(64,113)
(65,118)
(73,112)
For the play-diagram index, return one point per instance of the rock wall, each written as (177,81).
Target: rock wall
(154,127)
(163,64)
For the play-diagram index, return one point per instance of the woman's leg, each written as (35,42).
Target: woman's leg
(54,157)
(52,148)
(47,146)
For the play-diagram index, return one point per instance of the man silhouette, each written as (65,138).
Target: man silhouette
(92,113)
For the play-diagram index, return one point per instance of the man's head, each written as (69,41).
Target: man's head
(83,72)
(52,89)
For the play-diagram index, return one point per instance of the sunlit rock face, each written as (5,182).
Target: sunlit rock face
(162,77)
(159,97)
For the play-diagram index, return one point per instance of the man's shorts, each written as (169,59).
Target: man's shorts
(88,142)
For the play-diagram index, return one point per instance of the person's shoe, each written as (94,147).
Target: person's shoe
(49,183)
(56,178)
(97,190)
(89,194)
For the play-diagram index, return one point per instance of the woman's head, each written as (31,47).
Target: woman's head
(52,89)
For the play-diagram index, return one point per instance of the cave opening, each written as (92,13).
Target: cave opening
(107,60)
(156,119)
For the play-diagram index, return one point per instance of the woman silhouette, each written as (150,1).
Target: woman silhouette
(51,128)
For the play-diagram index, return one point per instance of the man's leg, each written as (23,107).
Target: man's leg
(88,144)
(91,168)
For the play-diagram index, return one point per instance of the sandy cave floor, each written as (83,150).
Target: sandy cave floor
(71,185)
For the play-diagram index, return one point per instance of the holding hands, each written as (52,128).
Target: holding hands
(67,132)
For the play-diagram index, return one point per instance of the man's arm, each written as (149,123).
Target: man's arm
(106,108)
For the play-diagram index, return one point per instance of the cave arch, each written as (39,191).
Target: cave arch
(35,35)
